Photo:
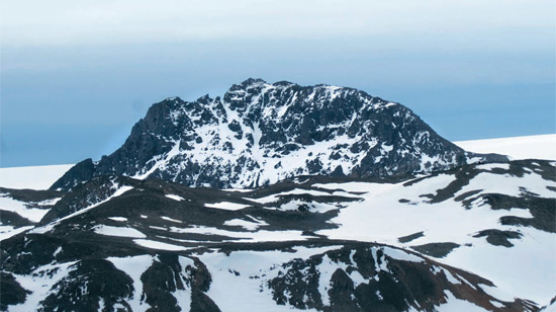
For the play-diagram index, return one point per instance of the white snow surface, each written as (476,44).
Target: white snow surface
(40,282)
(170,219)
(523,147)
(380,217)
(7,231)
(226,205)
(257,236)
(118,219)
(298,191)
(32,214)
(454,304)
(118,231)
(551,307)
(252,225)
(32,177)
(312,206)
(254,294)
(49,202)
(158,245)
(174,197)
(400,255)
(249,272)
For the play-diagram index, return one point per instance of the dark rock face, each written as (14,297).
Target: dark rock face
(498,237)
(408,238)
(363,278)
(82,171)
(260,133)
(11,292)
(99,279)
(438,250)
(83,195)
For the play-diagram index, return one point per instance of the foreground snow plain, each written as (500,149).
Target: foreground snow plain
(522,147)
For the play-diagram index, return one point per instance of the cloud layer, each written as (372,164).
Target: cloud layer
(66,22)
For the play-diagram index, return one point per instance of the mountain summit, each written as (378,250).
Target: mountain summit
(260,133)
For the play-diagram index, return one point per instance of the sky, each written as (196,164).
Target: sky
(76,75)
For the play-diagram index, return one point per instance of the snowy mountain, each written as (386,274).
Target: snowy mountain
(260,133)
(410,221)
(442,242)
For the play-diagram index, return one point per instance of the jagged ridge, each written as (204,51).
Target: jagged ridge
(260,133)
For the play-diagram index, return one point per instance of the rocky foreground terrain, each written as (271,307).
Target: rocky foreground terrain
(278,197)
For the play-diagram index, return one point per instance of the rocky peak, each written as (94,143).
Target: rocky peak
(260,133)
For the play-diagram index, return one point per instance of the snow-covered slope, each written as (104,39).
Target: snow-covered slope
(523,147)
(356,277)
(32,177)
(497,220)
(475,238)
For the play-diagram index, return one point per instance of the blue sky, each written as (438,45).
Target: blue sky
(75,76)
